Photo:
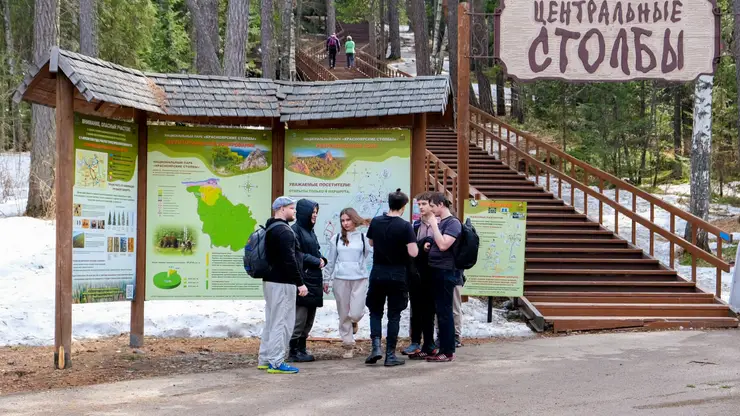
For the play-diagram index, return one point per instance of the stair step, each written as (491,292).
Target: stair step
(585,252)
(519,195)
(616,297)
(575,234)
(584,323)
(573,217)
(603,264)
(574,225)
(609,286)
(630,309)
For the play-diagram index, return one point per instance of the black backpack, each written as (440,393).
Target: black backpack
(465,249)
(255,252)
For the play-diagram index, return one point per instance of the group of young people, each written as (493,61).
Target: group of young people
(410,262)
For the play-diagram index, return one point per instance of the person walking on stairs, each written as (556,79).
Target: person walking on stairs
(349,50)
(421,292)
(346,274)
(332,46)
(444,275)
(279,288)
(313,262)
(394,245)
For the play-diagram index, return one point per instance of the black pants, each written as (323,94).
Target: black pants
(332,57)
(304,317)
(444,282)
(421,293)
(387,284)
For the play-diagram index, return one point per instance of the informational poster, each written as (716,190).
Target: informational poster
(502,228)
(104,210)
(346,168)
(208,189)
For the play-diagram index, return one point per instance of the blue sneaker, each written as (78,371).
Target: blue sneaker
(411,349)
(282,369)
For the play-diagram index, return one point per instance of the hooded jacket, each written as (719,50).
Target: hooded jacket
(310,249)
(283,255)
(348,262)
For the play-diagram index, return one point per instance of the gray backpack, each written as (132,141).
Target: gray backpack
(255,252)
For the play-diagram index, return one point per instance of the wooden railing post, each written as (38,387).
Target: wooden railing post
(601,203)
(718,282)
(616,213)
(672,245)
(463,106)
(652,234)
(693,257)
(634,224)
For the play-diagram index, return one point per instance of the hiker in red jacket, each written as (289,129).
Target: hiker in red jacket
(332,46)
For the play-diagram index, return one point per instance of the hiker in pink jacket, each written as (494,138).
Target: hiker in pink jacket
(332,46)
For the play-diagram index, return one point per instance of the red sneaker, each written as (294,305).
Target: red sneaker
(441,358)
(421,355)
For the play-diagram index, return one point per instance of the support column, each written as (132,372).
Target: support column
(463,107)
(136,337)
(278,159)
(418,152)
(63,188)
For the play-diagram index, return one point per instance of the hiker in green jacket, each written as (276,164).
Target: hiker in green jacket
(349,50)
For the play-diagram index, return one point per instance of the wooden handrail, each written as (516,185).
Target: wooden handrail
(432,183)
(478,130)
(600,174)
(311,65)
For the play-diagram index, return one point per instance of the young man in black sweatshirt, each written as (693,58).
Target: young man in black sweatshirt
(279,288)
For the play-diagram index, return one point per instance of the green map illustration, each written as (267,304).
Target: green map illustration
(92,169)
(215,210)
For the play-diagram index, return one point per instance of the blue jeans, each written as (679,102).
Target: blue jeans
(350,60)
(444,282)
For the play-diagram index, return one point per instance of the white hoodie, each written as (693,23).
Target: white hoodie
(347,262)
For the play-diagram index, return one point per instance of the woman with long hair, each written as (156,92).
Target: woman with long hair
(346,273)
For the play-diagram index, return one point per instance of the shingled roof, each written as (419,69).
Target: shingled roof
(364,98)
(186,95)
(216,96)
(96,79)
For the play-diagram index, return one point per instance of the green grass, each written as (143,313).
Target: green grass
(728,254)
(727,199)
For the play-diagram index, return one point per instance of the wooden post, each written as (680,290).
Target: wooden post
(418,153)
(463,107)
(278,159)
(136,336)
(63,188)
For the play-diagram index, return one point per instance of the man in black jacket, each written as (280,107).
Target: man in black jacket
(279,288)
(313,262)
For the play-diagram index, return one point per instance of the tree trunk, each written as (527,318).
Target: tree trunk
(267,42)
(643,133)
(479,47)
(15,114)
(331,17)
(298,22)
(452,38)
(395,30)
(373,29)
(202,12)
(473,96)
(286,39)
(237,28)
(421,39)
(736,53)
(437,39)
(517,102)
(484,89)
(677,135)
(500,92)
(89,28)
(409,13)
(701,156)
(43,125)
(383,49)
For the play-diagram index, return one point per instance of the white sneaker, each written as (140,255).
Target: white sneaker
(348,354)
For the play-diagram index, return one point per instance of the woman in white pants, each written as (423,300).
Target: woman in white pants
(346,274)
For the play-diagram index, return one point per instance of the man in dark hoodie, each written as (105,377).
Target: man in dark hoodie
(279,287)
(313,262)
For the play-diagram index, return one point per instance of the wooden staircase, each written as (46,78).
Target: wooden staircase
(579,275)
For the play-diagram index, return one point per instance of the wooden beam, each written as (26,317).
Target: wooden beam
(136,337)
(278,159)
(463,107)
(418,151)
(63,189)
(405,120)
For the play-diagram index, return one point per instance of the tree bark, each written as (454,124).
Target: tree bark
(473,97)
(267,42)
(421,39)
(383,49)
(395,30)
(479,47)
(15,114)
(89,28)
(331,17)
(43,124)
(437,39)
(500,92)
(202,11)
(237,29)
(452,39)
(701,157)
(286,39)
(373,29)
(517,102)
(736,53)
